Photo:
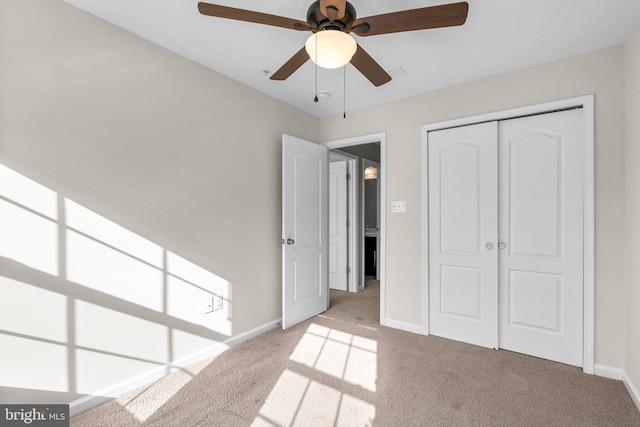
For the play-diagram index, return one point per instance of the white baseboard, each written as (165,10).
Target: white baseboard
(620,375)
(104,395)
(408,327)
(632,389)
(608,372)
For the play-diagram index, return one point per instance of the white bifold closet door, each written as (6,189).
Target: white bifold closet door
(506,235)
(463,234)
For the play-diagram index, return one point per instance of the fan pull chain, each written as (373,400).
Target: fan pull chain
(315,98)
(344,91)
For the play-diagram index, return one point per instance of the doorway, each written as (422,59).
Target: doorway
(361,177)
(343,220)
(365,201)
(371,148)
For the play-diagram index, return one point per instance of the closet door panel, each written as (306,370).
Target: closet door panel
(463,209)
(534,169)
(541,209)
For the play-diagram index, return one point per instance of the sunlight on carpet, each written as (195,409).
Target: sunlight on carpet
(298,400)
(142,404)
(339,354)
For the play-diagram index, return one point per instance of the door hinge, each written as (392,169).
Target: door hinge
(348,223)
(348,176)
(348,270)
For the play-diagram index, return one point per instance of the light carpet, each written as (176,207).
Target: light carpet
(342,368)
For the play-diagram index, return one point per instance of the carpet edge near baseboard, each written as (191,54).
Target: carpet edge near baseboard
(631,388)
(619,375)
(99,397)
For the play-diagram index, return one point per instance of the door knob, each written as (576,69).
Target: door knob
(489,246)
(502,245)
(290,241)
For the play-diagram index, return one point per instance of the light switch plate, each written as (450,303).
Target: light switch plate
(398,206)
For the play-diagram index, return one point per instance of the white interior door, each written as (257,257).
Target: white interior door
(463,231)
(338,230)
(541,235)
(305,222)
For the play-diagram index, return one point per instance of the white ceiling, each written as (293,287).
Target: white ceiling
(499,36)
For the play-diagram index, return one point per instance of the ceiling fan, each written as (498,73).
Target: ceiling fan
(335,19)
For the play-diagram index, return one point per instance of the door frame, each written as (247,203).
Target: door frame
(366,139)
(587,104)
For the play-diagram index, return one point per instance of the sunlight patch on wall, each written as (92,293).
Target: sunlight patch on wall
(100,267)
(28,231)
(28,238)
(108,232)
(296,400)
(186,270)
(28,193)
(102,374)
(33,311)
(33,364)
(99,328)
(185,344)
(187,281)
(53,341)
(339,354)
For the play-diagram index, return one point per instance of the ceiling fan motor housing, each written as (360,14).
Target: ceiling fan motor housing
(319,22)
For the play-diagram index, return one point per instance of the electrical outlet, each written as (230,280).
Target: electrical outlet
(208,305)
(217,302)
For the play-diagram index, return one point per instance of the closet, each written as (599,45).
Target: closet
(505,234)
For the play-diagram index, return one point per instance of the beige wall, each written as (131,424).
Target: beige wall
(632,51)
(180,168)
(182,165)
(600,73)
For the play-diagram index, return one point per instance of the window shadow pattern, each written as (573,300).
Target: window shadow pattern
(87,305)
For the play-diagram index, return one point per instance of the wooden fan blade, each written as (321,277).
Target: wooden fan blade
(289,67)
(250,16)
(333,9)
(369,67)
(446,15)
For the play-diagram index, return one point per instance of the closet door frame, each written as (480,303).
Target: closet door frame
(587,104)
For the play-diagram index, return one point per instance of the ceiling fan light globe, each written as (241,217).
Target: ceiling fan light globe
(334,48)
